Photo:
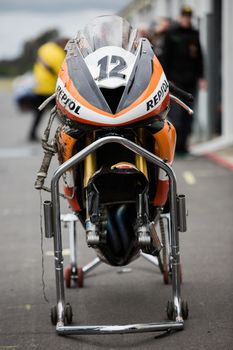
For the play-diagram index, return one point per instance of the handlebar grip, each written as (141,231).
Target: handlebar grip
(180,93)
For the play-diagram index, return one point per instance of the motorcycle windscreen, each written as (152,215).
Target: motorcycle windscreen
(107,31)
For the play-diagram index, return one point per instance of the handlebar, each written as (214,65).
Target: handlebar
(182,104)
(180,93)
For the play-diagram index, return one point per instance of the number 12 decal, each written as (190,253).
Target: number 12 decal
(104,64)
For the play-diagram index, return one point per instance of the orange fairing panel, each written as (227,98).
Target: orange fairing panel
(72,199)
(165,141)
(66,144)
(161,193)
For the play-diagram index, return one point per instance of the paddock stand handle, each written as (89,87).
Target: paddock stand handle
(48,219)
(181,213)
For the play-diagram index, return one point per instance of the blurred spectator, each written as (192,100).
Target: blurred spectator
(23,86)
(49,59)
(183,65)
(157,36)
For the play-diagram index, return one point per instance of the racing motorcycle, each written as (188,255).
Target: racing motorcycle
(115,146)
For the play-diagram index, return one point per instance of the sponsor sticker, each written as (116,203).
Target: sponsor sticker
(66,101)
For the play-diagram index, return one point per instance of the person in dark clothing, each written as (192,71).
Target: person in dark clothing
(183,65)
(157,37)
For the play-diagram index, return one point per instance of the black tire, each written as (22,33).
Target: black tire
(53,315)
(68,314)
(120,239)
(184,309)
(170,310)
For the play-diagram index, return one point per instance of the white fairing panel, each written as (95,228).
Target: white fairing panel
(110,66)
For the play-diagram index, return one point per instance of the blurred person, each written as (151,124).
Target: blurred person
(49,59)
(183,65)
(157,36)
(22,87)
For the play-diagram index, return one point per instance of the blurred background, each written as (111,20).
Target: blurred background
(213,20)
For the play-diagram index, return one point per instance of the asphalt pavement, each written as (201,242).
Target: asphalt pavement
(110,297)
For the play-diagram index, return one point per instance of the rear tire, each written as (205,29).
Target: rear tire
(120,238)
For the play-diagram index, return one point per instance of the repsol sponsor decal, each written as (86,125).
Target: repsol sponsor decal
(158,96)
(66,101)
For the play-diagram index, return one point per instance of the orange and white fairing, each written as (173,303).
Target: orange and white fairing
(108,80)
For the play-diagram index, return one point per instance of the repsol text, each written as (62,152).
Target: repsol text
(66,101)
(158,96)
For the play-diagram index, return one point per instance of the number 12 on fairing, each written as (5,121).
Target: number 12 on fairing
(115,72)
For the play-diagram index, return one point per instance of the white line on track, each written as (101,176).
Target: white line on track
(189,177)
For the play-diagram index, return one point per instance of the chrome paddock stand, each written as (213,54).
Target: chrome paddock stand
(62,313)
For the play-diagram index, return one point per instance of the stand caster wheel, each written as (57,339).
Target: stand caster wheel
(184,309)
(170,311)
(68,314)
(80,275)
(75,275)
(53,315)
(67,276)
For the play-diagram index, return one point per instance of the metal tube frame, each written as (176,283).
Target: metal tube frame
(72,240)
(91,265)
(151,259)
(175,254)
(167,248)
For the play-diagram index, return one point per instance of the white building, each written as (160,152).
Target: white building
(213,19)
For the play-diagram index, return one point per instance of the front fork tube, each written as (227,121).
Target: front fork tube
(144,238)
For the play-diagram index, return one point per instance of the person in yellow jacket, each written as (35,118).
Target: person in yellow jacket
(49,59)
